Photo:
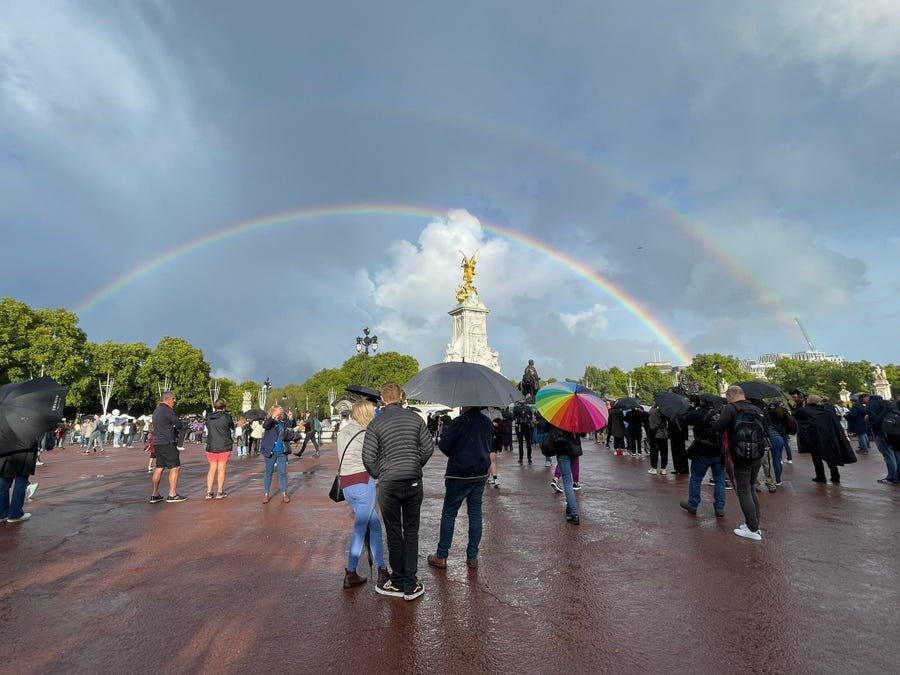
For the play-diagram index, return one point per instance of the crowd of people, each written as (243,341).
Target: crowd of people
(383,451)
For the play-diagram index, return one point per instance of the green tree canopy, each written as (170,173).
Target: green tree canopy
(702,371)
(186,370)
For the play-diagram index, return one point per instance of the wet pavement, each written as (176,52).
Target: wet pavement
(101,581)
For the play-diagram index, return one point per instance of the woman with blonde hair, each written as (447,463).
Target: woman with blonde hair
(272,448)
(359,491)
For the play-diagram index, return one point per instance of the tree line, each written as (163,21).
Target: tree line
(49,341)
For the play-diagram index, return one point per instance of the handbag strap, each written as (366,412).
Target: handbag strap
(346,447)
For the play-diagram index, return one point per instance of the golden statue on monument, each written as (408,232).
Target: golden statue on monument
(468,268)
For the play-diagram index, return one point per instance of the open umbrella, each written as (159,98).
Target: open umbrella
(627,402)
(255,414)
(457,383)
(757,389)
(671,404)
(571,407)
(359,391)
(27,410)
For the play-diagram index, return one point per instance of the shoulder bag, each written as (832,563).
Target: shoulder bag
(336,493)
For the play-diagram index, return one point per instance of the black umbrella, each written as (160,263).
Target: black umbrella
(671,404)
(712,399)
(458,383)
(360,391)
(255,414)
(757,389)
(27,410)
(627,402)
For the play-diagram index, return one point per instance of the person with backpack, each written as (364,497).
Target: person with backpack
(822,436)
(706,452)
(744,426)
(885,420)
(309,426)
(524,423)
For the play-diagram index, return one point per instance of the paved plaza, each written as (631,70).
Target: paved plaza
(101,581)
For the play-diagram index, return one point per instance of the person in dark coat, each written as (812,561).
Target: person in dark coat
(677,444)
(821,434)
(858,424)
(636,424)
(15,469)
(617,429)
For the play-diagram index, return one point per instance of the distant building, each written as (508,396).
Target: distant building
(665,367)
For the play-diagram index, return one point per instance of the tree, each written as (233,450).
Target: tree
(123,362)
(186,370)
(702,371)
(611,382)
(649,380)
(43,340)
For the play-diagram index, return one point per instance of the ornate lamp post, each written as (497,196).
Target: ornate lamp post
(214,388)
(720,383)
(363,343)
(264,394)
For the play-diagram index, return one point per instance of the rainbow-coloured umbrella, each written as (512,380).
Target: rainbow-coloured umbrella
(571,407)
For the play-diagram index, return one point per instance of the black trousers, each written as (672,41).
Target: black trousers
(679,454)
(659,451)
(524,434)
(819,466)
(745,474)
(401,502)
(634,443)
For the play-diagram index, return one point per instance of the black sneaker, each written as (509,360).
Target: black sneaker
(171,499)
(388,588)
(156,499)
(417,590)
(575,520)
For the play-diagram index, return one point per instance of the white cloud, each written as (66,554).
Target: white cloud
(591,322)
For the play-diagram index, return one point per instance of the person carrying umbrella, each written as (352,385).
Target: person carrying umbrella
(467,443)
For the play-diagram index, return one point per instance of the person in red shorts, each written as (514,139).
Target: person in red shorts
(219,440)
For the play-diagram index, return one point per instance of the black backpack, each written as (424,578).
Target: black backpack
(708,437)
(524,418)
(890,427)
(748,435)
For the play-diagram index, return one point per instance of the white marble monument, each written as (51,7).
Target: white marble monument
(882,384)
(469,341)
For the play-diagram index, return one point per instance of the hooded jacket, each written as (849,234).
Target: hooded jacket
(467,443)
(219,428)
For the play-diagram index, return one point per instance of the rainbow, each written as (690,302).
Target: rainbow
(703,237)
(580,269)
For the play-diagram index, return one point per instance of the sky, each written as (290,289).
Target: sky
(641,180)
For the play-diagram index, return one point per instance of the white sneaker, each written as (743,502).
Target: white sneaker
(653,471)
(662,472)
(748,534)
(25,516)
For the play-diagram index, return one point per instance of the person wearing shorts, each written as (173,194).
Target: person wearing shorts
(166,427)
(219,433)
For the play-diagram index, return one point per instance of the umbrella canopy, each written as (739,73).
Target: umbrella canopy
(456,384)
(255,414)
(671,404)
(360,391)
(757,389)
(627,402)
(712,399)
(27,410)
(571,407)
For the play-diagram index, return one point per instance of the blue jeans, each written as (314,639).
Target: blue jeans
(777,443)
(787,448)
(456,492)
(863,440)
(891,458)
(699,465)
(278,459)
(361,498)
(565,467)
(12,508)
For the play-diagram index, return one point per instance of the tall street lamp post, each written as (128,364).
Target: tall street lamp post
(364,343)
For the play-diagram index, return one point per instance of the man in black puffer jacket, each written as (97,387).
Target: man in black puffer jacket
(397,445)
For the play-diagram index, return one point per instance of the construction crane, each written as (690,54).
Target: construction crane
(805,335)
